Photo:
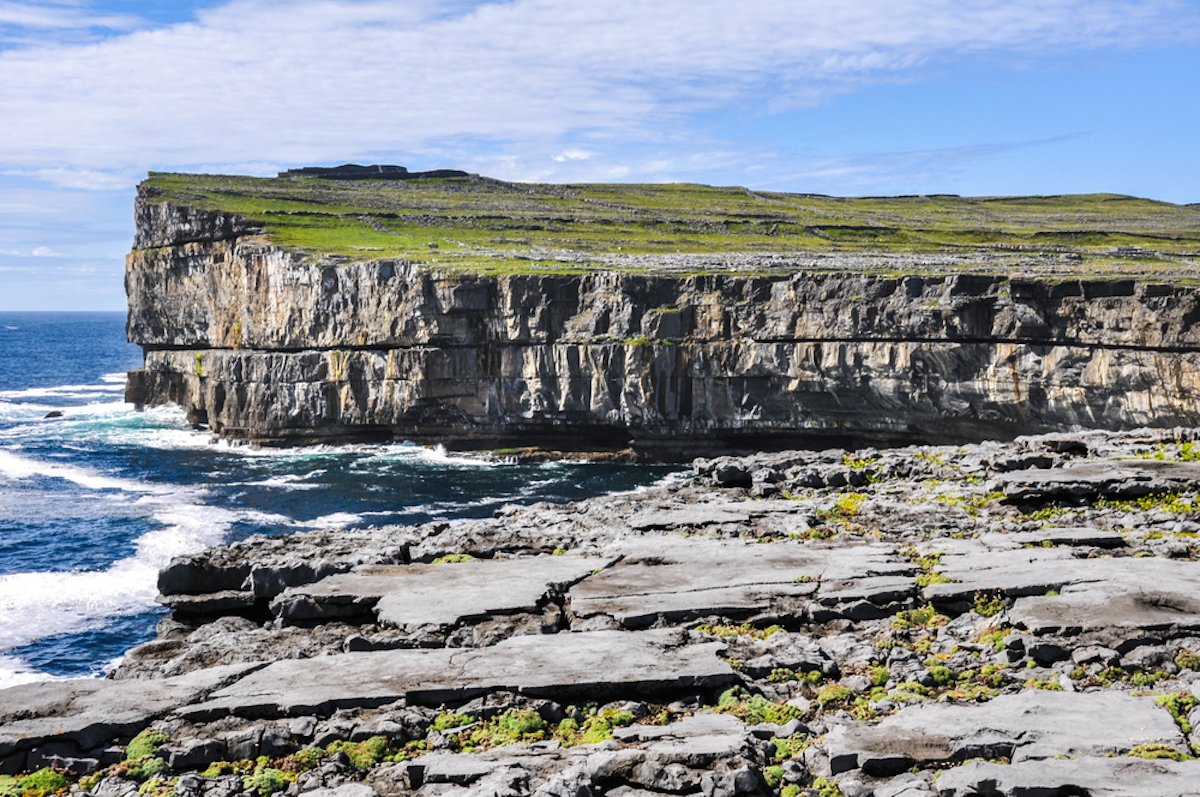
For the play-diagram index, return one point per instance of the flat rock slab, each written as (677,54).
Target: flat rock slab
(1118,596)
(1103,479)
(408,596)
(712,514)
(1074,537)
(92,712)
(1030,725)
(555,666)
(676,579)
(664,759)
(1096,777)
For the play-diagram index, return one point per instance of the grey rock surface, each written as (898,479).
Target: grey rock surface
(1095,777)
(409,596)
(263,343)
(1022,727)
(843,618)
(584,665)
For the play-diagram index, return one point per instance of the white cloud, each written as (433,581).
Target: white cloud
(572,155)
(60,16)
(260,82)
(45,251)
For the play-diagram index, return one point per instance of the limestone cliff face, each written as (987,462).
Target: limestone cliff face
(259,344)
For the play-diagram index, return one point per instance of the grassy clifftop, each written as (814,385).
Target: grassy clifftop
(480,224)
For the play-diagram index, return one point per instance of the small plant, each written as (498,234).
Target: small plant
(453,559)
(445,721)
(44,782)
(825,787)
(988,604)
(144,745)
(1179,705)
(941,674)
(363,755)
(789,747)
(921,617)
(848,504)
(755,709)
(599,727)
(858,463)
(265,781)
(727,631)
(1047,684)
(1188,660)
(833,693)
(1158,751)
(994,638)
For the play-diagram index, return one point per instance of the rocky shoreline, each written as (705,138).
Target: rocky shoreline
(997,619)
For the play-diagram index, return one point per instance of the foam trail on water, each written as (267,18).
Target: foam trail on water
(337,520)
(61,391)
(15,466)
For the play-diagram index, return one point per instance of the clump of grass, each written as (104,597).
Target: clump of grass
(453,559)
(755,709)
(729,631)
(1158,752)
(921,617)
(989,604)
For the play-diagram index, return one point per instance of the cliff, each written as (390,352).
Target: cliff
(669,318)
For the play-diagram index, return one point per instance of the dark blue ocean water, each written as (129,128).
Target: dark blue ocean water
(93,503)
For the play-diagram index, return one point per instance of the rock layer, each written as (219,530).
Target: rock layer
(263,343)
(804,624)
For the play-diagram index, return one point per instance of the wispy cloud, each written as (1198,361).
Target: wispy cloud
(274,83)
(909,170)
(60,16)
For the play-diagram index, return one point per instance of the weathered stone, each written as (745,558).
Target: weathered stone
(89,713)
(1025,726)
(1095,777)
(408,596)
(581,665)
(262,342)
(675,580)
(1091,480)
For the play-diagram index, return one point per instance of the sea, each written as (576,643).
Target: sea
(95,502)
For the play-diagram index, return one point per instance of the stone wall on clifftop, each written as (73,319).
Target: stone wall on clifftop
(263,343)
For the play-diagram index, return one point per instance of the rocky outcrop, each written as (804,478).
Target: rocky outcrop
(263,343)
(801,624)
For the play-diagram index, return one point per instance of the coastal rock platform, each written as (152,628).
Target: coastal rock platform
(995,619)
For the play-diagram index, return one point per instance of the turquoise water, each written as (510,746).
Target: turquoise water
(92,504)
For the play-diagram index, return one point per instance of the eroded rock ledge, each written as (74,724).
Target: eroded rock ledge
(994,619)
(669,354)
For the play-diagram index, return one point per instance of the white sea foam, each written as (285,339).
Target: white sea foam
(39,604)
(337,520)
(62,391)
(287,481)
(115,378)
(15,466)
(14,672)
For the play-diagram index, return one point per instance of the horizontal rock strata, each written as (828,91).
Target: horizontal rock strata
(909,622)
(261,343)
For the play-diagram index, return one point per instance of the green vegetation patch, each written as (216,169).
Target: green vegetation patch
(489,226)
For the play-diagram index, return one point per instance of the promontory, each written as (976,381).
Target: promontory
(670,320)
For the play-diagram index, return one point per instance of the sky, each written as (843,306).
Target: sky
(844,97)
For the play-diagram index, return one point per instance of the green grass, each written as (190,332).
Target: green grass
(492,227)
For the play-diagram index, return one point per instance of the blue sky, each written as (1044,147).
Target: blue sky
(831,96)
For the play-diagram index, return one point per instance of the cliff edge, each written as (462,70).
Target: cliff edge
(666,318)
